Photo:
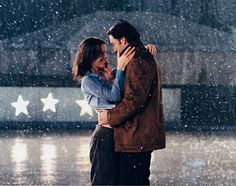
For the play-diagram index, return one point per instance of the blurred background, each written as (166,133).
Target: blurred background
(196,42)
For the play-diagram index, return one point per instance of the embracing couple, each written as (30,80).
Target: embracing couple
(128,101)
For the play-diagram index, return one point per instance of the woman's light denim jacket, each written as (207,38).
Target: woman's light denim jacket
(101,93)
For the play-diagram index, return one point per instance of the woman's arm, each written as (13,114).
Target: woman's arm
(151,49)
(106,90)
(103,89)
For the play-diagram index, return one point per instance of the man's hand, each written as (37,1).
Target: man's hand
(102,120)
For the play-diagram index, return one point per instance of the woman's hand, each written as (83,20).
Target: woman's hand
(151,49)
(107,73)
(122,61)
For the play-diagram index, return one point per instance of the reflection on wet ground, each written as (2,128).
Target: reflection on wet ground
(62,159)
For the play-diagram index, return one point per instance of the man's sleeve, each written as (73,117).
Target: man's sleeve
(139,80)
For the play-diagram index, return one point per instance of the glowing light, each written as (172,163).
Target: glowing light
(19,155)
(48,162)
(83,154)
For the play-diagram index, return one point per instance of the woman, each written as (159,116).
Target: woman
(101,90)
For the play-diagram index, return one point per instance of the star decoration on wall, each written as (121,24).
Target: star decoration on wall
(49,103)
(85,108)
(20,106)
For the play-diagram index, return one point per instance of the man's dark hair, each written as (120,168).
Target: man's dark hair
(122,28)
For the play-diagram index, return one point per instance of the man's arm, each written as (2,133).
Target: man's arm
(140,76)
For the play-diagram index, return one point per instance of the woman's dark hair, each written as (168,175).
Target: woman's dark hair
(89,50)
(122,28)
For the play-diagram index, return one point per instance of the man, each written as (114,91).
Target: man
(137,120)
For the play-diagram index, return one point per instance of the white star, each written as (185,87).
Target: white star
(85,108)
(49,103)
(20,106)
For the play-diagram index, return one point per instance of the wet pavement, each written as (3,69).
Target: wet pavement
(62,159)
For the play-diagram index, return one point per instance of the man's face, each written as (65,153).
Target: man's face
(118,45)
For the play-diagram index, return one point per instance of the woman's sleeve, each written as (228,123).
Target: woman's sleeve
(104,90)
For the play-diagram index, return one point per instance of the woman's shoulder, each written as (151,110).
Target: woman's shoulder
(90,78)
(86,79)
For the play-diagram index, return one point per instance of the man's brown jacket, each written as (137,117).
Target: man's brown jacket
(138,119)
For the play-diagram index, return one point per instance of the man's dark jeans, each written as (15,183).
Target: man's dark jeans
(135,168)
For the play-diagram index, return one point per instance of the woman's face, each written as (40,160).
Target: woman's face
(100,62)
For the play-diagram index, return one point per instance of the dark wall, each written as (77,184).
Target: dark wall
(22,16)
(205,78)
(209,105)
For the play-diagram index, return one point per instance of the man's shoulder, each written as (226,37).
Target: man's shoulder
(145,60)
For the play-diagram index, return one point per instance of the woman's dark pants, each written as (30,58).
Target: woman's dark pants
(104,160)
